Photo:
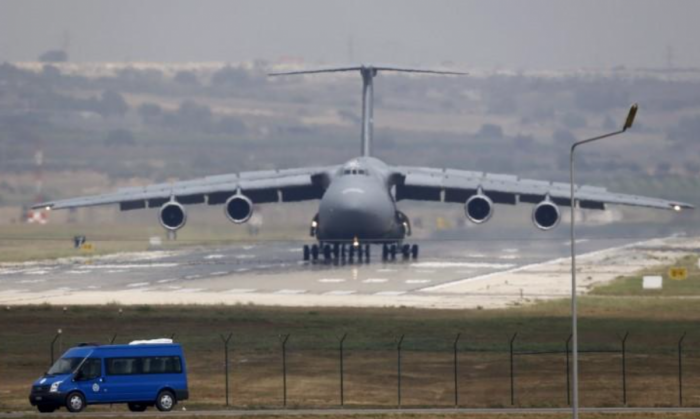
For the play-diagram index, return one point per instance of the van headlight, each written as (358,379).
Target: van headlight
(54,386)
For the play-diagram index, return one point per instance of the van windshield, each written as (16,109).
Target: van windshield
(64,366)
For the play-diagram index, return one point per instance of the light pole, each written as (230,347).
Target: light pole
(574,307)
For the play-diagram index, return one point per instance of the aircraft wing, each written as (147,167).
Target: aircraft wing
(289,185)
(448,185)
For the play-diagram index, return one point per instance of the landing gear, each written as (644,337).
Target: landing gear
(407,251)
(336,252)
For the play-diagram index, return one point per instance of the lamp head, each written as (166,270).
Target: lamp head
(630,117)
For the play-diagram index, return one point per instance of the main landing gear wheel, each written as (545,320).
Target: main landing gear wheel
(307,252)
(389,251)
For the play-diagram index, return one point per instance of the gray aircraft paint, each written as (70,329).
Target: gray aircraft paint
(358,199)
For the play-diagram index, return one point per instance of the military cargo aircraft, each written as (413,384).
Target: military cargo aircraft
(358,199)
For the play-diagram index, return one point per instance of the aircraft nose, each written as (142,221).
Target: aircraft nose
(354,212)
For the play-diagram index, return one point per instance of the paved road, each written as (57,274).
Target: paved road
(374,412)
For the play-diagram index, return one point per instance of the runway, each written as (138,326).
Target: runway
(449,274)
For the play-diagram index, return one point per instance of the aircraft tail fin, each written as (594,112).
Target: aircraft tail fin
(368,73)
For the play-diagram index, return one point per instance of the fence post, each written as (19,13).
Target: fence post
(342,373)
(680,370)
(624,369)
(226,340)
(53,342)
(114,338)
(284,369)
(398,369)
(172,336)
(455,349)
(512,371)
(568,372)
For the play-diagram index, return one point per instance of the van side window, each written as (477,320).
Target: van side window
(123,366)
(144,365)
(91,369)
(161,365)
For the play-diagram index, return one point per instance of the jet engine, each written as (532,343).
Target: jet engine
(478,208)
(546,215)
(238,209)
(172,216)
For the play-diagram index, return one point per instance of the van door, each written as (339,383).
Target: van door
(89,380)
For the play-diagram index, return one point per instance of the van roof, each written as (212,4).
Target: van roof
(81,351)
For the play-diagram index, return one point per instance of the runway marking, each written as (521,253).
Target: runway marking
(244,256)
(241,291)
(289,292)
(215,256)
(130,266)
(339,292)
(248,247)
(511,250)
(386,270)
(116,271)
(390,293)
(138,284)
(31,281)
(375,280)
(509,257)
(220,273)
(534,265)
(94,287)
(193,276)
(475,255)
(331,280)
(73,272)
(462,265)
(165,281)
(418,281)
(568,242)
(173,287)
(189,290)
(242,270)
(36,272)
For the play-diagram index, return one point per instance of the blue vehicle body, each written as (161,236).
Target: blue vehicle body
(135,374)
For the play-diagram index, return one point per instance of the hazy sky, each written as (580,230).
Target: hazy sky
(532,34)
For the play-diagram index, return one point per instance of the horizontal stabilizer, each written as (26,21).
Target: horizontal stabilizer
(368,67)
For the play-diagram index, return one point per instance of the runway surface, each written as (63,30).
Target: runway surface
(448,274)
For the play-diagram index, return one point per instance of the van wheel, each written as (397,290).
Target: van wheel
(75,402)
(165,401)
(43,408)
(138,407)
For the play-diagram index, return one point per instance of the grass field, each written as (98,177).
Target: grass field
(370,360)
(632,285)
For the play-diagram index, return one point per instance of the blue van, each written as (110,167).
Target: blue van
(142,375)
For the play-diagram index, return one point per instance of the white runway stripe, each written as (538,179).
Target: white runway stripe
(390,293)
(339,292)
(137,284)
(462,265)
(375,280)
(220,273)
(331,280)
(241,291)
(289,292)
(418,281)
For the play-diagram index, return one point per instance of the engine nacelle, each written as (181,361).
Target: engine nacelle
(172,216)
(478,208)
(238,209)
(546,215)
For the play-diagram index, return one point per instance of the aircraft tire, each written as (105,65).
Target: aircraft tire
(414,251)
(392,251)
(405,251)
(327,252)
(385,252)
(336,250)
(307,252)
(314,252)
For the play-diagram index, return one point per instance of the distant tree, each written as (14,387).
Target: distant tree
(112,104)
(231,125)
(150,112)
(490,131)
(692,167)
(120,137)
(50,72)
(186,77)
(563,137)
(574,121)
(686,130)
(54,56)
(524,142)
